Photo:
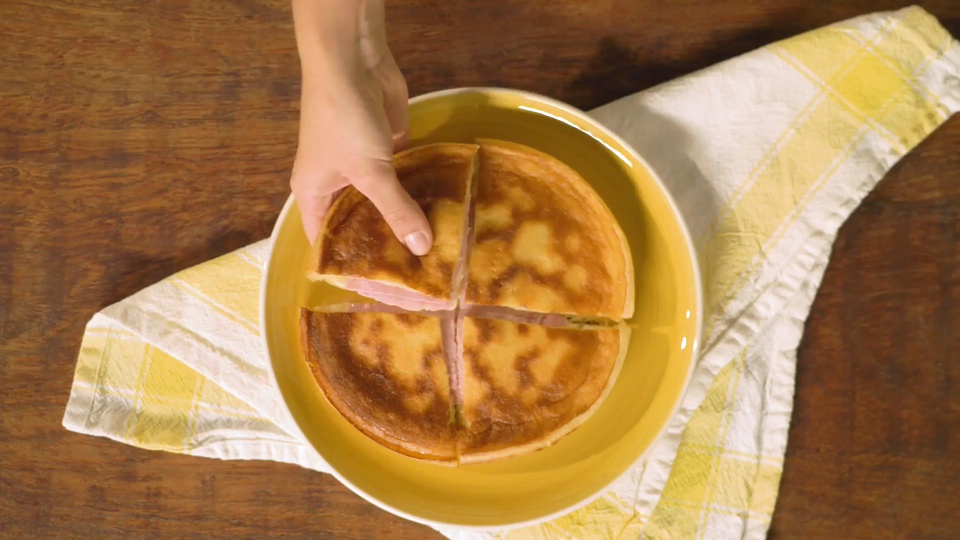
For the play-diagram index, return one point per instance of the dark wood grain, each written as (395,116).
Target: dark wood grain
(139,138)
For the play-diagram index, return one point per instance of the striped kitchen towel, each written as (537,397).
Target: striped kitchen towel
(766,154)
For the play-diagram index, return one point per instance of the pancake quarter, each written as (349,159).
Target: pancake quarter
(386,374)
(525,386)
(357,250)
(544,240)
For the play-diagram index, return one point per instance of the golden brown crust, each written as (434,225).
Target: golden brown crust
(526,386)
(545,241)
(356,241)
(385,373)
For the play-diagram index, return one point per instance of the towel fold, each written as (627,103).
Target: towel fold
(766,154)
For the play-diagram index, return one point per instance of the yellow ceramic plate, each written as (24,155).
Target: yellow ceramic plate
(655,373)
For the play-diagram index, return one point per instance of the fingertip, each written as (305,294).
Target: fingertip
(419,243)
(414,231)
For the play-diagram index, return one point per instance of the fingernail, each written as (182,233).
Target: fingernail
(417,243)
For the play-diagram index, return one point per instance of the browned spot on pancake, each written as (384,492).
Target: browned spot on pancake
(571,373)
(495,234)
(501,400)
(431,356)
(494,290)
(423,384)
(446,270)
(383,353)
(485,327)
(522,364)
(409,320)
(523,329)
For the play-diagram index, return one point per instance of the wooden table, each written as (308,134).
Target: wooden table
(139,138)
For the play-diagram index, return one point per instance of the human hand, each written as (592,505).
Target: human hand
(353,116)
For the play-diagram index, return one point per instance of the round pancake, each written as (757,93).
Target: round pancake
(385,373)
(525,386)
(356,242)
(544,240)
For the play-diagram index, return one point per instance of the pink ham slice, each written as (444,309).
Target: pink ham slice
(469,220)
(450,330)
(370,307)
(515,315)
(396,296)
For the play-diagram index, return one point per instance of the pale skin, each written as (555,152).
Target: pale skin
(353,117)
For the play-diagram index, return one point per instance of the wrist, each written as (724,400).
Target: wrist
(328,34)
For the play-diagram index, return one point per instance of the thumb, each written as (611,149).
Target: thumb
(377,180)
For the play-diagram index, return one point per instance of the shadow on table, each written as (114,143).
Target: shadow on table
(615,71)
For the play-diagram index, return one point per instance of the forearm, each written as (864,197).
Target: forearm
(351,82)
(328,34)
